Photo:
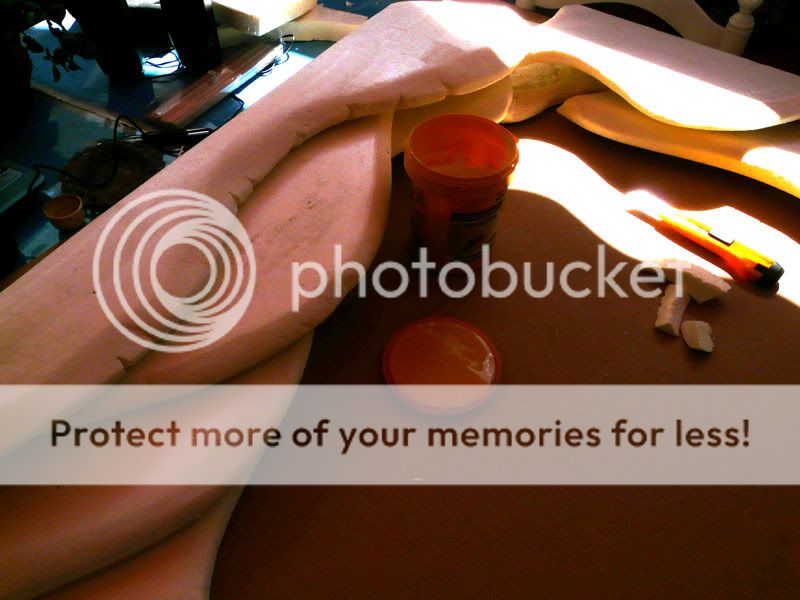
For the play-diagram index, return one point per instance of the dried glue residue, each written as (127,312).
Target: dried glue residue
(475,356)
(440,351)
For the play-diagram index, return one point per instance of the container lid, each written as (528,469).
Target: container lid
(462,150)
(440,351)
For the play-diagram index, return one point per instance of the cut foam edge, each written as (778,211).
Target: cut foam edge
(697,335)
(491,103)
(670,310)
(58,534)
(538,86)
(320,24)
(180,566)
(666,77)
(701,284)
(256,17)
(310,220)
(771,156)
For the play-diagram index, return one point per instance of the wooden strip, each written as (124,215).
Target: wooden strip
(199,96)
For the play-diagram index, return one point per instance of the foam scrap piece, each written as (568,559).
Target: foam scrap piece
(697,335)
(667,77)
(769,155)
(671,309)
(256,17)
(701,284)
(320,23)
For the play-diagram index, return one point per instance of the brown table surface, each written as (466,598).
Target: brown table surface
(705,542)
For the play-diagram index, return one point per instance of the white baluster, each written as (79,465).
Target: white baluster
(740,26)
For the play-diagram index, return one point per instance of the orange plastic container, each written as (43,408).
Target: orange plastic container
(460,167)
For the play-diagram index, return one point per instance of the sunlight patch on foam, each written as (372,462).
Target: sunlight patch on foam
(787,162)
(692,100)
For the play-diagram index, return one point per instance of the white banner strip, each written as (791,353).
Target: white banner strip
(275,435)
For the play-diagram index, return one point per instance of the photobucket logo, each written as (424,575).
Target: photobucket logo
(136,240)
(605,279)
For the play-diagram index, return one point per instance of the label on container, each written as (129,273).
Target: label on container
(470,231)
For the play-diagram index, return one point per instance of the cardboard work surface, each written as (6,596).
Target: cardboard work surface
(544,541)
(561,340)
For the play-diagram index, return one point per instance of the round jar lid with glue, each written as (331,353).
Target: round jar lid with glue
(442,351)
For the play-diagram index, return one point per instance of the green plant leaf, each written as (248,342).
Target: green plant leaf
(32,45)
(56,32)
(70,42)
(32,11)
(56,12)
(88,49)
(32,17)
(59,57)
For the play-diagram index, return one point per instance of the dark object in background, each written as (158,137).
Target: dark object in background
(9,252)
(149,27)
(16,84)
(776,37)
(775,40)
(109,26)
(193,30)
(136,163)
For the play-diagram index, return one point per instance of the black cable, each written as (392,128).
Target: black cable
(287,43)
(114,160)
(164,65)
(174,62)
